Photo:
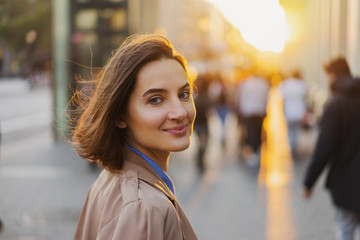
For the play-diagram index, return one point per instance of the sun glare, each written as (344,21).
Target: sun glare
(262,23)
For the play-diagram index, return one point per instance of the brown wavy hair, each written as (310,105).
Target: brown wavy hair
(95,136)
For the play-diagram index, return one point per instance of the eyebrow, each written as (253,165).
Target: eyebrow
(160,90)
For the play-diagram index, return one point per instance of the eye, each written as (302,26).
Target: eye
(155,100)
(185,95)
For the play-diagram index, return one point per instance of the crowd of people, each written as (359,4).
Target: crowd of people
(247,99)
(338,144)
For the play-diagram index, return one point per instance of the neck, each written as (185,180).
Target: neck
(161,158)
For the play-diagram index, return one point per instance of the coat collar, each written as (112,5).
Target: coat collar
(145,172)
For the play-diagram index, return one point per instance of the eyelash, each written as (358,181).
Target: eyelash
(157,100)
(154,101)
(187,94)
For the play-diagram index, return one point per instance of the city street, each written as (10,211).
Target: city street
(43,184)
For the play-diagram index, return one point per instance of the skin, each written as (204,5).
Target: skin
(161,111)
(331,78)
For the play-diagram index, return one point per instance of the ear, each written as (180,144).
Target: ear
(120,124)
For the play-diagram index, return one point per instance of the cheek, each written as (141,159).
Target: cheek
(148,118)
(191,112)
(154,119)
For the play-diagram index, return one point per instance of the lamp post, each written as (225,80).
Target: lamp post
(61,29)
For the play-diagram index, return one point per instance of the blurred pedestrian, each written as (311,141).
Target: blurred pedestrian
(201,126)
(141,111)
(294,91)
(219,100)
(338,146)
(251,102)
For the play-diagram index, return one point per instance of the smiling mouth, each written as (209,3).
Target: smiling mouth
(178,131)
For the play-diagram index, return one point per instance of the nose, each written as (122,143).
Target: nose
(177,110)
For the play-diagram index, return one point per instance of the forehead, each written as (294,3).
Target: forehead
(160,73)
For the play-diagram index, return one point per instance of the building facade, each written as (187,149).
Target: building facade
(328,29)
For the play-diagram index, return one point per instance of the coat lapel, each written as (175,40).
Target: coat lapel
(147,174)
(145,171)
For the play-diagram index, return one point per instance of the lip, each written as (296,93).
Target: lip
(178,130)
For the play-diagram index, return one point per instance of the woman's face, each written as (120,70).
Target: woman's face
(161,111)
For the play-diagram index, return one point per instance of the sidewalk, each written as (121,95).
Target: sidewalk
(43,186)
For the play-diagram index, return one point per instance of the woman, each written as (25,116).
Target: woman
(141,111)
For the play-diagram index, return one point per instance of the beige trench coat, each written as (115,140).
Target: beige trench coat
(132,205)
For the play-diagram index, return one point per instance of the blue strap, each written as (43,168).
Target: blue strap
(157,169)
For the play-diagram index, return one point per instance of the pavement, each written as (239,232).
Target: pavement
(43,183)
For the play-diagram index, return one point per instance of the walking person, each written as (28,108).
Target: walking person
(251,103)
(338,147)
(201,124)
(141,111)
(219,99)
(294,91)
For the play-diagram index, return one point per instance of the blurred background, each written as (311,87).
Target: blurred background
(46,45)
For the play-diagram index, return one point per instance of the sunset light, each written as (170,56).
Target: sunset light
(262,23)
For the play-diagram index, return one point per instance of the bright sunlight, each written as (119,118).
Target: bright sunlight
(262,23)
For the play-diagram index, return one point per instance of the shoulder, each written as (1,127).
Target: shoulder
(138,220)
(334,107)
(132,190)
(336,102)
(121,201)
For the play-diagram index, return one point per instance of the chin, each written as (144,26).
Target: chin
(181,147)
